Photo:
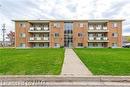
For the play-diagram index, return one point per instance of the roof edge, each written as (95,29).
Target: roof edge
(70,20)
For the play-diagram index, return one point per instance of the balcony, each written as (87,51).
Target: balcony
(105,38)
(45,38)
(98,29)
(98,39)
(104,28)
(91,28)
(38,39)
(91,38)
(38,29)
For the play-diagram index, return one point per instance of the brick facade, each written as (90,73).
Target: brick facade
(79,33)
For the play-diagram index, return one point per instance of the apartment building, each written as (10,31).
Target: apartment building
(68,33)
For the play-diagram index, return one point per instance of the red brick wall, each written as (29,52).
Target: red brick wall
(76,29)
(53,30)
(18,30)
(117,29)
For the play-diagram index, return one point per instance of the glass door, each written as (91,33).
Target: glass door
(68,31)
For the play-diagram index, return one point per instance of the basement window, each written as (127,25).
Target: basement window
(80,44)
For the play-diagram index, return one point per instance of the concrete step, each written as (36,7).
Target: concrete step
(42,81)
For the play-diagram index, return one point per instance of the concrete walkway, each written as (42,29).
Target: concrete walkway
(73,66)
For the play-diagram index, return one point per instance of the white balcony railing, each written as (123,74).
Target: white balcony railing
(38,28)
(31,28)
(91,38)
(31,38)
(104,28)
(46,38)
(105,38)
(98,28)
(38,39)
(91,28)
(98,38)
(46,28)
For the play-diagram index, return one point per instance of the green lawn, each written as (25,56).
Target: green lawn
(106,61)
(31,61)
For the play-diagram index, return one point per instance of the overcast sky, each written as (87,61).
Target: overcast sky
(64,9)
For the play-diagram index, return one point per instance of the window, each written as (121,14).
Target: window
(22,24)
(81,24)
(114,24)
(57,45)
(114,44)
(91,44)
(99,25)
(37,44)
(46,27)
(80,44)
(45,35)
(90,35)
(115,34)
(99,35)
(68,26)
(22,35)
(91,26)
(56,34)
(22,44)
(56,24)
(80,35)
(46,44)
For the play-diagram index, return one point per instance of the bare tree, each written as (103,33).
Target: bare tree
(11,37)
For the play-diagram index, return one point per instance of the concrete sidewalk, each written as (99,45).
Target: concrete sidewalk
(49,81)
(73,66)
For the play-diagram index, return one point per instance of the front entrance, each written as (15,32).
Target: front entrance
(68,37)
(68,43)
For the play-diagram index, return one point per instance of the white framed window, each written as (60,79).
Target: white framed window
(80,34)
(45,35)
(114,45)
(22,24)
(57,24)
(36,35)
(37,45)
(115,34)
(46,27)
(81,24)
(22,45)
(91,44)
(22,35)
(99,25)
(91,35)
(46,44)
(56,34)
(91,27)
(57,45)
(80,44)
(99,35)
(114,24)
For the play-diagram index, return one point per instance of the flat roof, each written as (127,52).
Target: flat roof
(66,20)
